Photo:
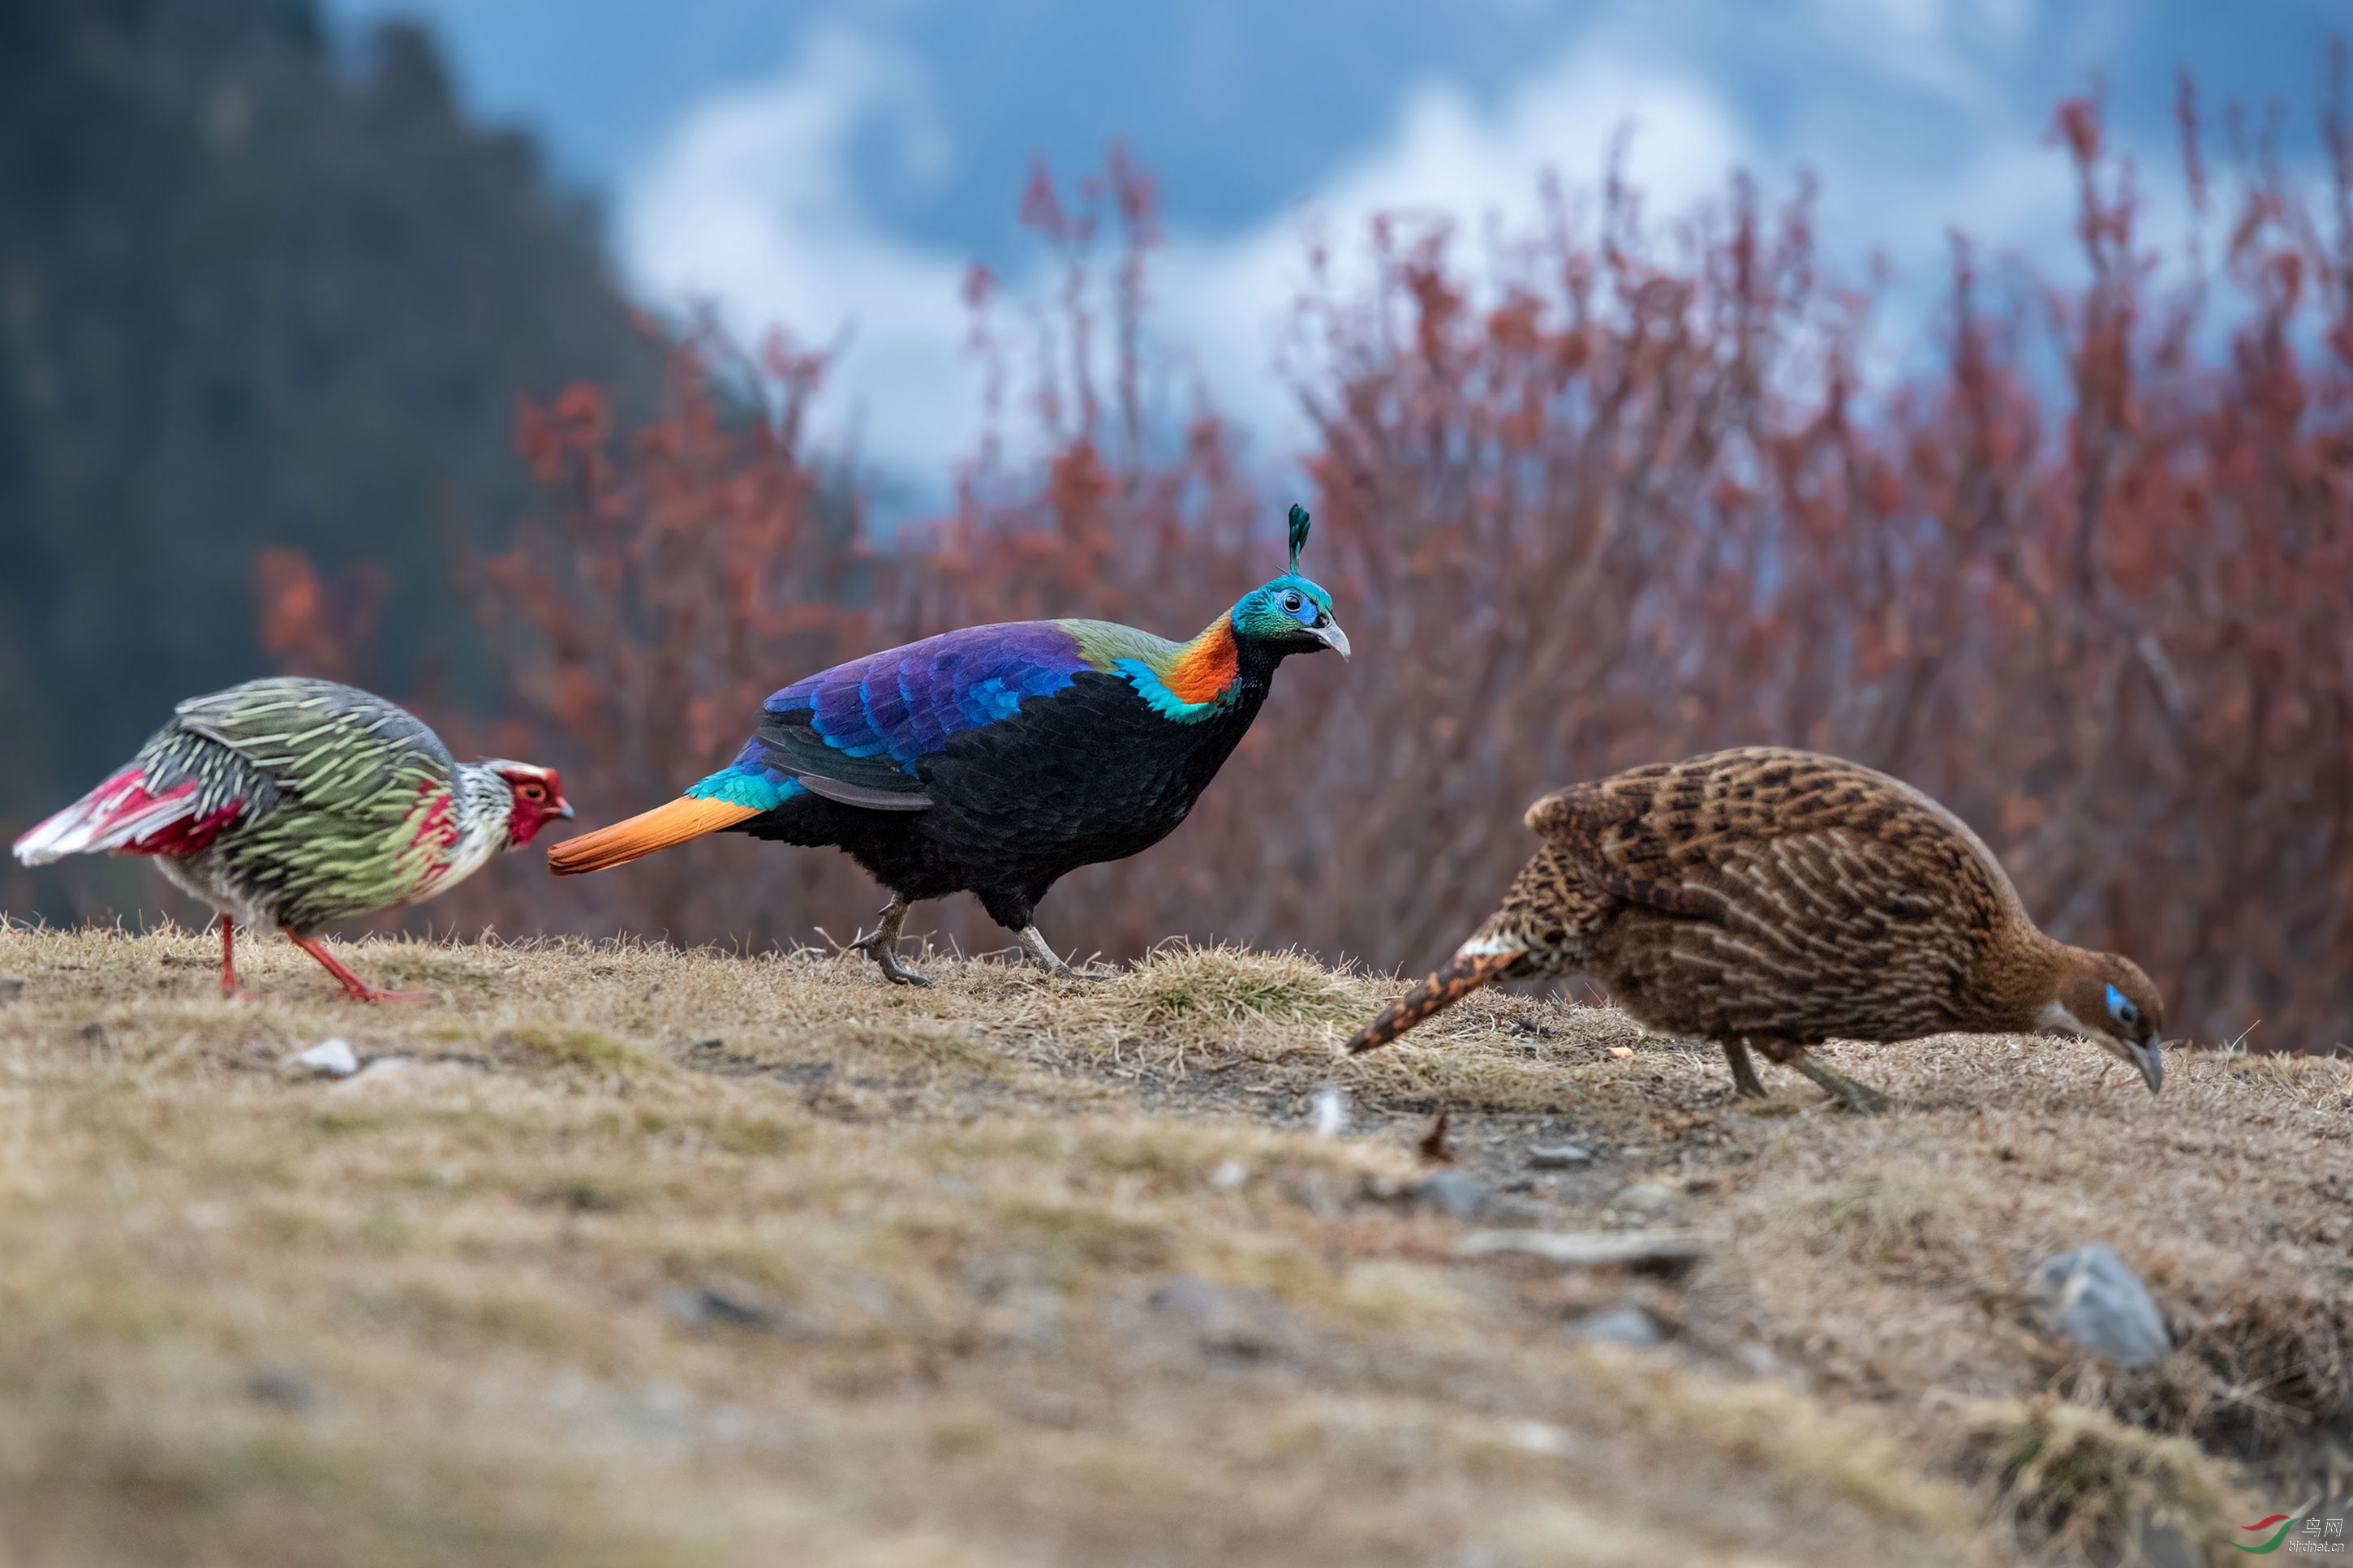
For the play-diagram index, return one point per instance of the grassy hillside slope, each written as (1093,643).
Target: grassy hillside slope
(628,1255)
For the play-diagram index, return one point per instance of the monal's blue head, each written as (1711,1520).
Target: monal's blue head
(1291,614)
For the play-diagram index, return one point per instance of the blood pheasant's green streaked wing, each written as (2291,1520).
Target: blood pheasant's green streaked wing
(364,818)
(335,747)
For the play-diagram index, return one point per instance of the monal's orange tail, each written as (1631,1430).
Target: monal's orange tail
(683,818)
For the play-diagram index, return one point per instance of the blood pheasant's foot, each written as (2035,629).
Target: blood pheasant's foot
(1033,943)
(230,989)
(1860,1098)
(355,988)
(881,946)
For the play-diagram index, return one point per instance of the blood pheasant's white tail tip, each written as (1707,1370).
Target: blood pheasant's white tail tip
(55,837)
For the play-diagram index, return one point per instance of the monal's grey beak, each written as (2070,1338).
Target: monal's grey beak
(1330,635)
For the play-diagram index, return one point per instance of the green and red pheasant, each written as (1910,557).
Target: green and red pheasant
(295,804)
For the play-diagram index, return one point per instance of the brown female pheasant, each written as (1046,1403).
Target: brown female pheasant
(1778,899)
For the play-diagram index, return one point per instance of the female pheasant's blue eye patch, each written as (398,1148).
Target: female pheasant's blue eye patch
(2121,1009)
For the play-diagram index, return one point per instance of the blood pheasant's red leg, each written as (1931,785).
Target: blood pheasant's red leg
(230,987)
(355,988)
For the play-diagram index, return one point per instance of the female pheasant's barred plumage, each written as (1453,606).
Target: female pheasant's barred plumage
(997,759)
(1778,899)
(296,803)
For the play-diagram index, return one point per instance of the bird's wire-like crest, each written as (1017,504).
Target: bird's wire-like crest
(1299,521)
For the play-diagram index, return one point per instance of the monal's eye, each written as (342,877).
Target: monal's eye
(1292,601)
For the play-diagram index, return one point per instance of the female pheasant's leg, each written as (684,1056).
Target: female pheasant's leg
(1860,1098)
(883,944)
(1746,1084)
(230,987)
(355,988)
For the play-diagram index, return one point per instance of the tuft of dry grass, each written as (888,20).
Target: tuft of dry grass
(2078,1480)
(616,1253)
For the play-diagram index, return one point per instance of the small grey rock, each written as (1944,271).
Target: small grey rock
(1648,1198)
(1456,1193)
(333,1057)
(720,1305)
(1556,1156)
(2090,1297)
(281,1386)
(1659,1251)
(1219,1322)
(1617,1326)
(11,987)
(1028,1317)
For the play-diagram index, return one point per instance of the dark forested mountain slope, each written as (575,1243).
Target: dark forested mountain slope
(259,287)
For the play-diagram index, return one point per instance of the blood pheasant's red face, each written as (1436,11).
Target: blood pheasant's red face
(538,801)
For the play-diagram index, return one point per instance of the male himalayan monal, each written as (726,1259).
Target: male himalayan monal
(296,803)
(994,760)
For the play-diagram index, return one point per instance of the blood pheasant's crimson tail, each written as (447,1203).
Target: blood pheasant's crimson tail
(1464,972)
(683,818)
(123,816)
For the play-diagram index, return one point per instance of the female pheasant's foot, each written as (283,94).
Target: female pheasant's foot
(1858,1098)
(355,988)
(1033,943)
(1746,1084)
(883,944)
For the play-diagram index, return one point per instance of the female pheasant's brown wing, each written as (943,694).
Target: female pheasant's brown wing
(1777,892)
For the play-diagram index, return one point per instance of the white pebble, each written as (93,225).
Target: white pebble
(333,1057)
(1331,1111)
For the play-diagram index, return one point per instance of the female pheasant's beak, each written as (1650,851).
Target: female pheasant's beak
(1464,972)
(1327,632)
(2142,1054)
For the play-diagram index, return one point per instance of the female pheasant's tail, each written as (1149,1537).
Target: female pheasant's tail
(1467,970)
(688,816)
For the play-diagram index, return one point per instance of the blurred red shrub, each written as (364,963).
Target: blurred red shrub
(310,623)
(1624,494)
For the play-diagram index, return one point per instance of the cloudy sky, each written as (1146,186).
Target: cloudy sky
(835,167)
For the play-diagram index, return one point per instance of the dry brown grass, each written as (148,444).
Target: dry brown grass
(1034,1271)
